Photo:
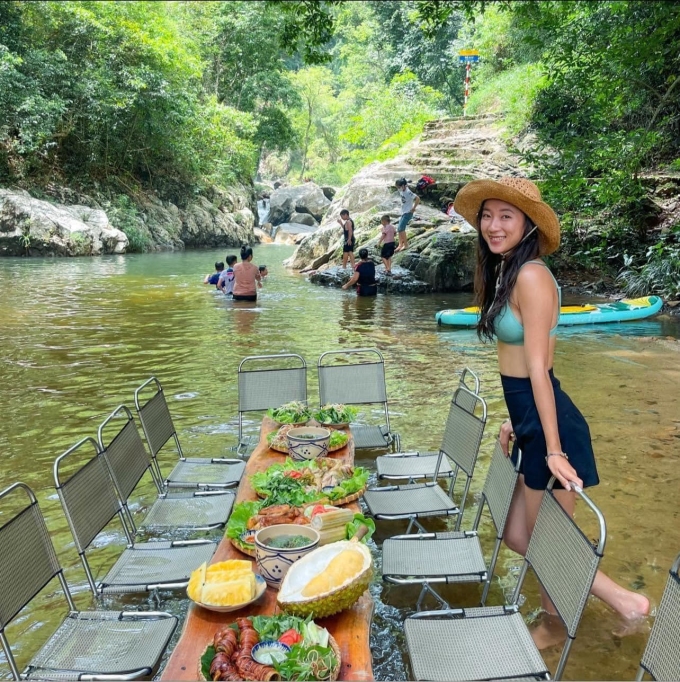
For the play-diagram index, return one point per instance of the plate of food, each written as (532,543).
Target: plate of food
(297,648)
(335,416)
(294,413)
(278,440)
(301,483)
(225,586)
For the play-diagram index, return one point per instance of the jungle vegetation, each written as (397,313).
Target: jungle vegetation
(118,97)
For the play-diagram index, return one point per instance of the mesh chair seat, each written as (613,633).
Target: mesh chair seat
(193,472)
(186,510)
(409,500)
(412,465)
(102,642)
(367,436)
(455,556)
(487,643)
(151,563)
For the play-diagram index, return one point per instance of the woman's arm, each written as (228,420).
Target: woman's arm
(537,302)
(352,280)
(350,231)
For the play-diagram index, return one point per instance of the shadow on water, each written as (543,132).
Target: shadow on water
(78,345)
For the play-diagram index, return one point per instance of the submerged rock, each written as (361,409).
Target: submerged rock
(34,227)
(401,282)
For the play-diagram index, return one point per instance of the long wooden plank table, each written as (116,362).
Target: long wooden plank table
(350,628)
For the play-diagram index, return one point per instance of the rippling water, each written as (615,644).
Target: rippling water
(79,335)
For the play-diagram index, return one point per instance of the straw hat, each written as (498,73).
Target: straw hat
(519,192)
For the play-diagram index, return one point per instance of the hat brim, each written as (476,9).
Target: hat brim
(471,197)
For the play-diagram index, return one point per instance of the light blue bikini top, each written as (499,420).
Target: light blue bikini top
(509,329)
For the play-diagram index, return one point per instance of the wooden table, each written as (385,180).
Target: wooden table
(350,628)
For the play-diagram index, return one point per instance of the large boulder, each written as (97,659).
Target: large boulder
(305,198)
(303,219)
(34,227)
(205,223)
(291,233)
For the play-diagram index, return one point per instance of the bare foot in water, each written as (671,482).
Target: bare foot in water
(548,631)
(634,615)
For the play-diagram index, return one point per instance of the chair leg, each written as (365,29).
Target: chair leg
(414,522)
(424,592)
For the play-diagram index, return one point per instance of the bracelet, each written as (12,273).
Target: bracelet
(556,454)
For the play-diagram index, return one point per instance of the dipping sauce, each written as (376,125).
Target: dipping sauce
(288,541)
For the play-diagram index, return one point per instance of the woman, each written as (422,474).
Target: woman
(349,237)
(520,300)
(364,276)
(246,277)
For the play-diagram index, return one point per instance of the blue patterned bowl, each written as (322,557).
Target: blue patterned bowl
(308,442)
(273,562)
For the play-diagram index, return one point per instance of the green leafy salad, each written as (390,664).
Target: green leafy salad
(298,483)
(337,439)
(336,414)
(291,413)
(311,656)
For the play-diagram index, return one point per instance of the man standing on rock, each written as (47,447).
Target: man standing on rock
(350,241)
(409,203)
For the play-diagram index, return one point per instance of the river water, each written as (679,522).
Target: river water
(79,335)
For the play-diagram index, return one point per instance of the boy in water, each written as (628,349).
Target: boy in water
(263,271)
(226,280)
(213,279)
(387,241)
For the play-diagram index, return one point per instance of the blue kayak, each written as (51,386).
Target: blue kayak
(596,313)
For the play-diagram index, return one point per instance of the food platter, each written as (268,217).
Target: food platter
(342,425)
(279,443)
(284,450)
(260,587)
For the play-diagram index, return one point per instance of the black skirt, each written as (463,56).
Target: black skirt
(572,427)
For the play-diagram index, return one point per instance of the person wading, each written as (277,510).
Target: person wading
(520,301)
(246,277)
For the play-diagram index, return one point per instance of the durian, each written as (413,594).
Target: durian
(327,580)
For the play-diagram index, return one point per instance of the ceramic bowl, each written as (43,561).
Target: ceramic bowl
(308,442)
(263,652)
(273,562)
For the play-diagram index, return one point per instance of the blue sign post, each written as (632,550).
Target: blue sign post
(467,57)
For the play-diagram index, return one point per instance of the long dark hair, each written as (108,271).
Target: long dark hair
(246,252)
(489,266)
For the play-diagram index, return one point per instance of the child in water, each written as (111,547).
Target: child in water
(226,280)
(263,271)
(387,241)
(214,278)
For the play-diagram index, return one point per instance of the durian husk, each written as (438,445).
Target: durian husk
(343,597)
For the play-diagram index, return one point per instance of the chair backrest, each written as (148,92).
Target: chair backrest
(466,399)
(353,383)
(661,658)
(88,496)
(155,417)
(28,562)
(125,456)
(464,429)
(271,385)
(499,488)
(564,560)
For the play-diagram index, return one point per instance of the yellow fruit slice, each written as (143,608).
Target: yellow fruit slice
(231,565)
(196,582)
(229,593)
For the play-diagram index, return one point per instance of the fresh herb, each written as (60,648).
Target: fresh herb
(290,413)
(336,414)
(206,662)
(351,485)
(337,439)
(270,628)
(307,663)
(279,488)
(360,520)
(240,515)
(288,541)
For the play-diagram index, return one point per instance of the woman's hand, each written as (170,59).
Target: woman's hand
(506,435)
(563,471)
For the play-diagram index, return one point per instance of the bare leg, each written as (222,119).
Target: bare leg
(628,604)
(351,259)
(344,259)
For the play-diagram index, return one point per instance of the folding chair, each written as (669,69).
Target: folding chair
(493,642)
(268,387)
(217,472)
(89,499)
(460,444)
(358,383)
(128,461)
(446,558)
(125,645)
(661,658)
(417,465)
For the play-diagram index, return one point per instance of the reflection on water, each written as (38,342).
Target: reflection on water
(79,335)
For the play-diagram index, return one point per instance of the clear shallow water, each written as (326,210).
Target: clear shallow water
(79,335)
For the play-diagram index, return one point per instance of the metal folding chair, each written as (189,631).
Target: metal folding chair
(268,385)
(415,466)
(445,558)
(128,461)
(193,472)
(358,383)
(493,642)
(661,658)
(120,645)
(90,502)
(460,445)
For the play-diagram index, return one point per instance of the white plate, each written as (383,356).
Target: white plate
(260,587)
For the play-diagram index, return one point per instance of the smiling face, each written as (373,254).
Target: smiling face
(502,225)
